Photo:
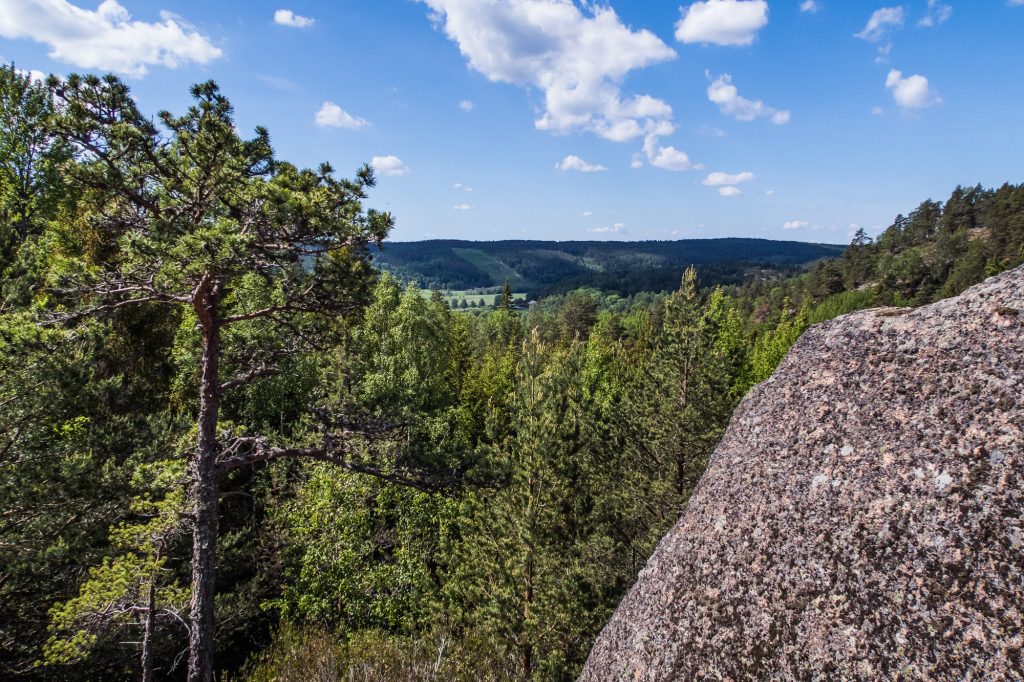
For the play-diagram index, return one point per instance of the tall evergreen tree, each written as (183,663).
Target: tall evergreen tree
(523,573)
(190,215)
(506,302)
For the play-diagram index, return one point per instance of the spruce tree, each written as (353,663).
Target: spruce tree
(506,302)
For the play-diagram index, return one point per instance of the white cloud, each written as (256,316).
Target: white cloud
(333,116)
(464,188)
(1016,3)
(35,75)
(105,39)
(722,22)
(938,13)
(795,225)
(723,93)
(877,111)
(587,214)
(667,158)
(881,22)
(466,105)
(912,92)
(576,55)
(809,6)
(719,178)
(286,17)
(730,191)
(389,165)
(617,228)
(769,193)
(575,163)
(462,207)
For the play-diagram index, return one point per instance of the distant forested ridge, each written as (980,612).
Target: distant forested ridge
(544,267)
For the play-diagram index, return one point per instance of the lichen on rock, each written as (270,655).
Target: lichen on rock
(862,518)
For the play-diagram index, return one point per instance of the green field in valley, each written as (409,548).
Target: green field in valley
(455,298)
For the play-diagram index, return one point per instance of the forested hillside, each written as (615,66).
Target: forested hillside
(229,444)
(544,268)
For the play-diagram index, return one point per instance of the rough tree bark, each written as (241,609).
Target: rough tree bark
(205,484)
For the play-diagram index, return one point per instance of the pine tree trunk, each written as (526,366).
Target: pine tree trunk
(204,496)
(147,633)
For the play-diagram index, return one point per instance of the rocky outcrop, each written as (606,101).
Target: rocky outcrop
(862,518)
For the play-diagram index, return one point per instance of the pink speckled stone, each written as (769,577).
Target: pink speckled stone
(862,518)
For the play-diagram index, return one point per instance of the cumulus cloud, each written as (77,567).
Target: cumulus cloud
(881,22)
(722,22)
(575,163)
(389,165)
(723,93)
(809,6)
(587,214)
(106,39)
(664,157)
(466,105)
(333,116)
(577,56)
(464,188)
(938,13)
(462,207)
(286,17)
(719,178)
(795,225)
(912,92)
(726,182)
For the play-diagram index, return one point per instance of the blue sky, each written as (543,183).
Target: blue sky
(549,119)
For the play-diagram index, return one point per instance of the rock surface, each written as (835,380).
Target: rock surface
(863,517)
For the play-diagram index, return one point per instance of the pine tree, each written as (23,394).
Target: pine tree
(196,218)
(523,570)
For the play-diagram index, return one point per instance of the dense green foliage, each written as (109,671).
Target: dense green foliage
(552,446)
(936,251)
(543,268)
